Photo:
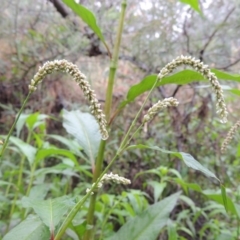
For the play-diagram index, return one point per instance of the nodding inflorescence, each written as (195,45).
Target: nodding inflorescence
(110,177)
(167,102)
(80,79)
(206,72)
(230,136)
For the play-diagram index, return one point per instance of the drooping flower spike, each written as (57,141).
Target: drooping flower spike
(110,177)
(230,136)
(80,79)
(206,72)
(167,102)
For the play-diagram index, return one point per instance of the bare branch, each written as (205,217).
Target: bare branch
(60,7)
(214,33)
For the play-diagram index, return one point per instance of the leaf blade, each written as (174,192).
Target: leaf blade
(180,78)
(148,224)
(193,4)
(31,228)
(85,129)
(186,157)
(49,211)
(87,16)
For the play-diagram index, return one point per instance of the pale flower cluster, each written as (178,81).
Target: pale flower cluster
(230,136)
(206,72)
(80,79)
(167,102)
(114,178)
(110,177)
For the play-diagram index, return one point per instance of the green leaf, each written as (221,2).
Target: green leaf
(32,121)
(50,211)
(235,91)
(20,123)
(35,119)
(85,129)
(87,16)
(149,223)
(224,197)
(186,157)
(194,4)
(192,163)
(61,169)
(71,144)
(219,198)
(28,150)
(31,228)
(172,230)
(186,185)
(2,183)
(39,191)
(157,189)
(180,78)
(226,76)
(46,152)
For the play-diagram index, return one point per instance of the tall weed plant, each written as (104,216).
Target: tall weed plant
(91,214)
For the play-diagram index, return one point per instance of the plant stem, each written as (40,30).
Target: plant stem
(126,140)
(79,204)
(33,168)
(114,62)
(13,126)
(108,106)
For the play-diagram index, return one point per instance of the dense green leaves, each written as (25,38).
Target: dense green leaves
(47,152)
(28,150)
(149,223)
(218,197)
(50,211)
(31,228)
(186,157)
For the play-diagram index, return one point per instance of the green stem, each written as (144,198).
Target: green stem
(126,140)
(33,168)
(67,221)
(19,184)
(114,62)
(13,126)
(108,106)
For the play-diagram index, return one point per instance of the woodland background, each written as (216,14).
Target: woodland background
(155,32)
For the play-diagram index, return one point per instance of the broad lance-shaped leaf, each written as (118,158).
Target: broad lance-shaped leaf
(181,78)
(87,16)
(186,157)
(148,224)
(28,150)
(223,199)
(31,228)
(192,163)
(50,211)
(85,129)
(56,152)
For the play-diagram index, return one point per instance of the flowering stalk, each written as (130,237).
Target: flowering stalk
(108,106)
(167,102)
(4,145)
(230,136)
(206,72)
(70,68)
(106,178)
